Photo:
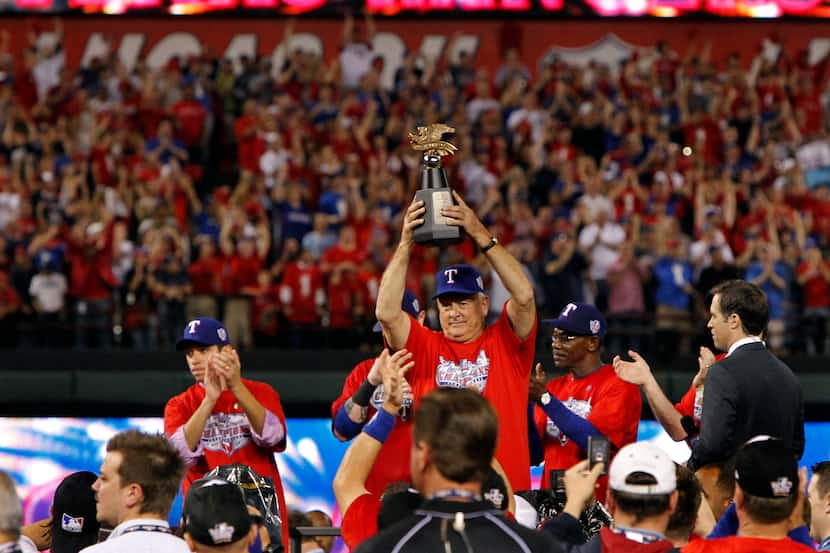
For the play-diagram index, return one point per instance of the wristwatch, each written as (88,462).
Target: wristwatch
(490,245)
(545,399)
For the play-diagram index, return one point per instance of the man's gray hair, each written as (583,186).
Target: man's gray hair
(11,511)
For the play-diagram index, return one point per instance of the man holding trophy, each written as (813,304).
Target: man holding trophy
(496,360)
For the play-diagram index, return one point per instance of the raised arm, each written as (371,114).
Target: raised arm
(639,373)
(350,481)
(393,320)
(521,307)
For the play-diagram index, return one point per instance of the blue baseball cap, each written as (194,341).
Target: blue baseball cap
(410,304)
(203,331)
(458,279)
(582,319)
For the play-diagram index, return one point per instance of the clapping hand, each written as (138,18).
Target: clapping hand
(393,370)
(214,382)
(634,372)
(705,360)
(228,366)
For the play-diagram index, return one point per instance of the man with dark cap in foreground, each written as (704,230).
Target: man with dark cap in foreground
(215,518)
(73,525)
(767,498)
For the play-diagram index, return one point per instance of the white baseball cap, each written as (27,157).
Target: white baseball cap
(647,458)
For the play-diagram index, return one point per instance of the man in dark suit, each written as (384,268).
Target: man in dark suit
(749,392)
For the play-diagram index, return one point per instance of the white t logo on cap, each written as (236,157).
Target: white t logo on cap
(450,274)
(192,326)
(568,308)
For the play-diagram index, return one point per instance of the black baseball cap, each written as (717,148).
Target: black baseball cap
(494,490)
(74,523)
(215,513)
(765,467)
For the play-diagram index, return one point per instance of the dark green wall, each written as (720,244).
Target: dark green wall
(68,383)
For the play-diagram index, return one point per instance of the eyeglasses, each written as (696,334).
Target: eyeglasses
(563,337)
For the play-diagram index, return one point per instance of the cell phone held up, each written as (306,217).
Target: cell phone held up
(599,451)
(557,488)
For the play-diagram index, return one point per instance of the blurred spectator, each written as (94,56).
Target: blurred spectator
(303,297)
(90,253)
(321,520)
(170,284)
(205,276)
(673,276)
(601,240)
(140,321)
(48,290)
(563,266)
(813,275)
(718,270)
(357,53)
(11,514)
(773,277)
(9,307)
(320,238)
(164,146)
(626,311)
(265,309)
(192,119)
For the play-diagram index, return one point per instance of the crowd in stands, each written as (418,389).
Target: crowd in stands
(134,200)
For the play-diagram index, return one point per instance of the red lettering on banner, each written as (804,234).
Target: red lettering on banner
(158,39)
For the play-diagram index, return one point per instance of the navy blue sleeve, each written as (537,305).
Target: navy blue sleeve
(802,535)
(727,525)
(572,425)
(565,529)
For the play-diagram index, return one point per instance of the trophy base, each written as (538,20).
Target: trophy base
(442,236)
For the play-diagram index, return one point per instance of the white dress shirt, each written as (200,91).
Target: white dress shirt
(743,342)
(123,540)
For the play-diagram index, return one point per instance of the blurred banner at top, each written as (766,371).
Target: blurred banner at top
(557,8)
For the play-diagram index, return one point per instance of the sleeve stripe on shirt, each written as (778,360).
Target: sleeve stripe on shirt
(507,530)
(414,530)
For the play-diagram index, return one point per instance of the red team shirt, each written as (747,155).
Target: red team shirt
(737,544)
(498,365)
(610,404)
(392,464)
(360,521)
(226,438)
(302,285)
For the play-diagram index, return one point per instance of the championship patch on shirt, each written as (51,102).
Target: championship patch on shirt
(378,396)
(227,432)
(466,374)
